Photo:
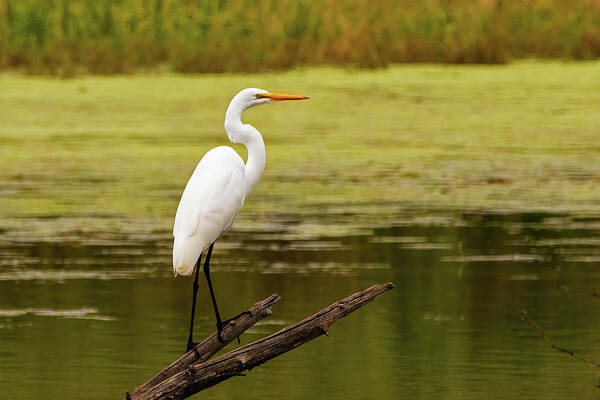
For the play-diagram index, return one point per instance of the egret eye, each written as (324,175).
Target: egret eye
(260,96)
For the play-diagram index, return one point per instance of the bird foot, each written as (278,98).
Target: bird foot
(190,345)
(220,325)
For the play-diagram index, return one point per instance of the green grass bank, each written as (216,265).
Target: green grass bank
(66,37)
(520,137)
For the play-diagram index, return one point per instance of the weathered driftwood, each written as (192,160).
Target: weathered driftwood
(211,345)
(202,374)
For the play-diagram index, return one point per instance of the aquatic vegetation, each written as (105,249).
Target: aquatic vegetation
(102,150)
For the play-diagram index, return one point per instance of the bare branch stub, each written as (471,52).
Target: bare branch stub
(204,374)
(576,292)
(591,362)
(211,345)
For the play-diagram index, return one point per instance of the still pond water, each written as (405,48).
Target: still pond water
(93,315)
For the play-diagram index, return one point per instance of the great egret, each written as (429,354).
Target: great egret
(216,191)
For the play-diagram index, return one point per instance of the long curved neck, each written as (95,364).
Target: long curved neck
(257,157)
(252,139)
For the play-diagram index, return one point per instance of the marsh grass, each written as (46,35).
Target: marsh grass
(113,36)
(522,137)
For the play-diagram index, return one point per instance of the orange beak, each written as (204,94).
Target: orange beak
(282,96)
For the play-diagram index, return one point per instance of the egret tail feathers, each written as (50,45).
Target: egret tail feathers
(184,258)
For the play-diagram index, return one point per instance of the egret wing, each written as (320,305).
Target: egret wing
(212,198)
(214,193)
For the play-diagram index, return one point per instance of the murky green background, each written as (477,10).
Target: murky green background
(473,216)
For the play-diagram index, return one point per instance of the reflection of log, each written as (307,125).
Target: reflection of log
(194,372)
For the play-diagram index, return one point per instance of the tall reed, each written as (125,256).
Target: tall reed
(115,36)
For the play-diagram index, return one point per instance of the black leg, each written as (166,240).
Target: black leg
(212,292)
(220,323)
(190,343)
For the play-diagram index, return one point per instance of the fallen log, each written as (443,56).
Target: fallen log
(194,376)
(211,345)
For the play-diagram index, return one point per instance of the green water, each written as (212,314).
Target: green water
(100,316)
(474,189)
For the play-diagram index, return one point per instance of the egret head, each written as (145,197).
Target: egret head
(247,98)
(254,97)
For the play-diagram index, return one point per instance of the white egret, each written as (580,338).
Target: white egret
(216,191)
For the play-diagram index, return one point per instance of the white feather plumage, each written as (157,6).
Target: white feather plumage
(212,198)
(216,191)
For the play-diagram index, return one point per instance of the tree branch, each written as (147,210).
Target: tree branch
(203,374)
(211,345)
(587,360)
(576,292)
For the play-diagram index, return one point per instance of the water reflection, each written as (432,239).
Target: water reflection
(99,312)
